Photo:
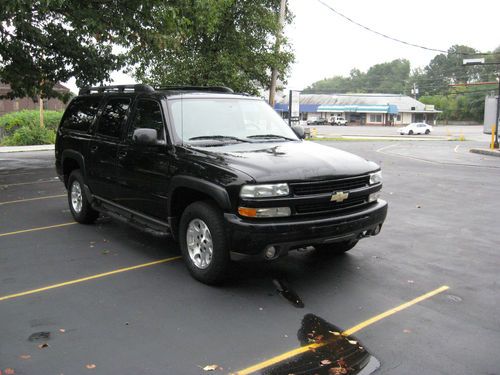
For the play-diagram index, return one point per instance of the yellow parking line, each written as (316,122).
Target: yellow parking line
(71,282)
(350,331)
(29,183)
(33,199)
(37,229)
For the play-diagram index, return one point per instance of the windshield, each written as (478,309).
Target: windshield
(227,120)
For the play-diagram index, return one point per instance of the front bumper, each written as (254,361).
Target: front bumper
(250,238)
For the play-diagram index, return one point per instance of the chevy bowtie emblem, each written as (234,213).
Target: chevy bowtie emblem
(339,196)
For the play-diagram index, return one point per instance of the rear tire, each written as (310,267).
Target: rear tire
(335,248)
(203,242)
(79,206)
(427,132)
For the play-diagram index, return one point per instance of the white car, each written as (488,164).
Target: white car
(416,128)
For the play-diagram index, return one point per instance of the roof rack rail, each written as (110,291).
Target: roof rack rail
(198,88)
(116,88)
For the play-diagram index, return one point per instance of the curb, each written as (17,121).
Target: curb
(4,149)
(485,151)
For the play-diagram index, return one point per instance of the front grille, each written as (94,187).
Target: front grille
(330,207)
(330,186)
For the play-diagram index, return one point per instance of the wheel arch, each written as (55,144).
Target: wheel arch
(185,190)
(71,160)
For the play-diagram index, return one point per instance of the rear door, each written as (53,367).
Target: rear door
(103,148)
(143,170)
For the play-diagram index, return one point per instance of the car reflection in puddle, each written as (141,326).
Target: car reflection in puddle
(330,352)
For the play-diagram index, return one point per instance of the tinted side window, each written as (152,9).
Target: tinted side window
(112,116)
(81,113)
(147,115)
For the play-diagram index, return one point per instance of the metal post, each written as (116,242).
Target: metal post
(498,115)
(274,72)
(40,104)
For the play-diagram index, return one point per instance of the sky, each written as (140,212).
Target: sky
(326,45)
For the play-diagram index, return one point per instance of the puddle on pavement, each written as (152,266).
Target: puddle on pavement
(334,354)
(284,290)
(37,336)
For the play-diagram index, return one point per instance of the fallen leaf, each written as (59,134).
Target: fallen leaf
(407,330)
(410,281)
(43,346)
(326,362)
(9,371)
(25,356)
(334,333)
(419,206)
(211,368)
(352,342)
(90,366)
(62,330)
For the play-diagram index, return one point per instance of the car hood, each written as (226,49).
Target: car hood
(287,161)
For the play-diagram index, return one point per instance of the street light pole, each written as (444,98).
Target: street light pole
(274,72)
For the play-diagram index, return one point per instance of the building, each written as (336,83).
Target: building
(17,104)
(362,109)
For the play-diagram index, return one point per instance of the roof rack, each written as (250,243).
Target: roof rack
(197,88)
(116,88)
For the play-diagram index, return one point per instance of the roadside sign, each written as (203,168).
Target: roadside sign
(294,106)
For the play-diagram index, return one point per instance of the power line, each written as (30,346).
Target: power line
(396,39)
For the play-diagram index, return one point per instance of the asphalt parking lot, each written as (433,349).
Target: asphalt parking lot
(422,297)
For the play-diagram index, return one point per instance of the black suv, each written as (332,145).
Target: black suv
(220,172)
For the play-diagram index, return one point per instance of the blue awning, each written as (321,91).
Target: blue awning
(390,108)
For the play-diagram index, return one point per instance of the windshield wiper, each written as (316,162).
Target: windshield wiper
(218,138)
(271,136)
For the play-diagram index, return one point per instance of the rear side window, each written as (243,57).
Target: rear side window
(81,113)
(113,116)
(147,115)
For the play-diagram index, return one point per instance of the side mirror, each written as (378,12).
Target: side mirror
(299,131)
(146,137)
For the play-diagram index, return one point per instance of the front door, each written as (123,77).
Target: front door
(103,148)
(143,169)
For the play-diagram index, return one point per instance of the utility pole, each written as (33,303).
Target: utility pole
(414,91)
(274,72)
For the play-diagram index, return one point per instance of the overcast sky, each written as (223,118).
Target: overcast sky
(326,44)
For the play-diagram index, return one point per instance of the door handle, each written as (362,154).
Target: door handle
(122,154)
(93,149)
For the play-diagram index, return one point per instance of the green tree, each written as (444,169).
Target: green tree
(46,41)
(217,42)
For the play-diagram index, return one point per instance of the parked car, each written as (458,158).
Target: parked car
(416,128)
(219,172)
(337,120)
(317,121)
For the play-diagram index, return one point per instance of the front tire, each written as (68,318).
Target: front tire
(79,206)
(335,248)
(410,132)
(203,241)
(427,132)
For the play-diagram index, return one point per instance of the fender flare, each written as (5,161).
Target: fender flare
(216,192)
(75,155)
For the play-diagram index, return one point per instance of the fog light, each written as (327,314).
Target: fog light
(270,252)
(377,230)
(374,197)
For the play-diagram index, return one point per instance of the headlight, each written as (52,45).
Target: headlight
(376,178)
(265,212)
(264,191)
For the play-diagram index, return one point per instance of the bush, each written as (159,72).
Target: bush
(10,122)
(23,127)
(30,135)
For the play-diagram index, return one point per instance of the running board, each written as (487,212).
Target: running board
(137,220)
